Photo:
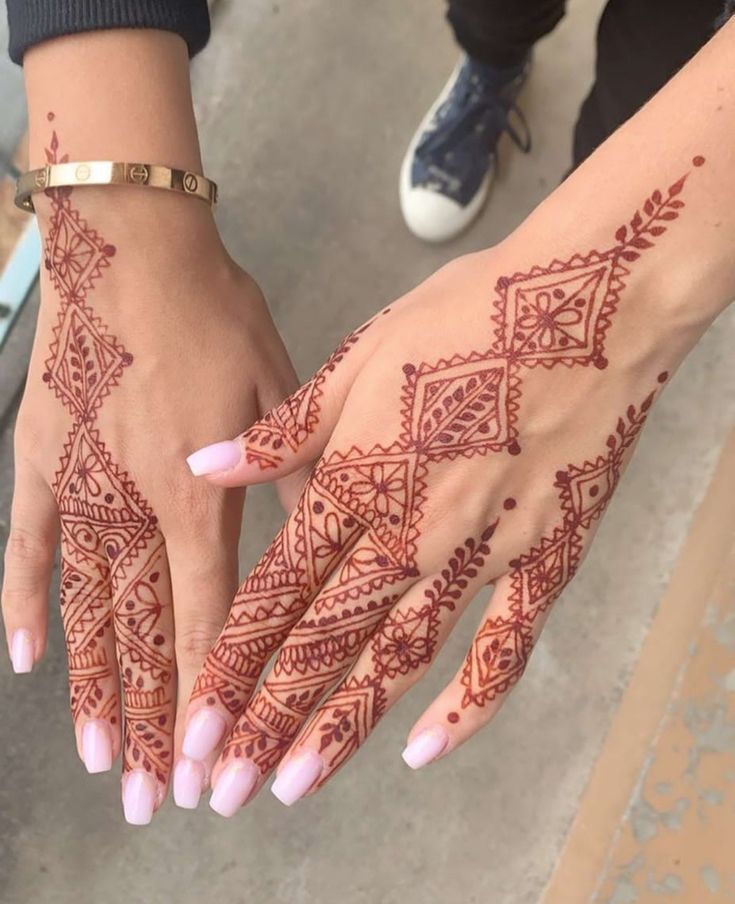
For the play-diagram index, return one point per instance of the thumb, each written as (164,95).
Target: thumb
(294,433)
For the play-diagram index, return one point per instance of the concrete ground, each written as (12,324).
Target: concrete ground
(305,109)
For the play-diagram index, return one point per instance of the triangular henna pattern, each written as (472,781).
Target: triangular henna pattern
(113,554)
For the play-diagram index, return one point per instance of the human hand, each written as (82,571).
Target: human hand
(463,439)
(142,315)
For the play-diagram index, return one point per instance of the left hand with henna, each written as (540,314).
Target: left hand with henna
(472,434)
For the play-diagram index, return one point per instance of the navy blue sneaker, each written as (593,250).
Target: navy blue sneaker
(449,166)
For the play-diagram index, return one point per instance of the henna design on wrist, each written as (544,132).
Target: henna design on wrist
(113,554)
(503,644)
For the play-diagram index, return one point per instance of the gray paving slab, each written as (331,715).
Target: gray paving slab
(305,110)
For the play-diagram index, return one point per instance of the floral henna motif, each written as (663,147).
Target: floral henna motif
(502,646)
(113,554)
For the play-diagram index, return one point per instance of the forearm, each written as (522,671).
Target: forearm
(688,277)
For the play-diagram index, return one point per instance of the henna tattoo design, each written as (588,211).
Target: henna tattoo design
(319,652)
(113,553)
(356,528)
(503,644)
(290,424)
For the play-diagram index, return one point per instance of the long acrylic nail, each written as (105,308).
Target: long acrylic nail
(22,652)
(425,747)
(188,783)
(139,797)
(203,733)
(217,457)
(96,746)
(297,776)
(234,786)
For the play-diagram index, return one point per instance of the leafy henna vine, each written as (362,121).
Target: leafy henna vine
(356,528)
(503,644)
(113,554)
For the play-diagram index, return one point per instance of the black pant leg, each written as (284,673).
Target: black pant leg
(501,32)
(641,44)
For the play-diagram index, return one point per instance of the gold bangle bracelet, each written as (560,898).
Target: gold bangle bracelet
(107,172)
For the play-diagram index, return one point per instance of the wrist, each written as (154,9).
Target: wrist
(112,95)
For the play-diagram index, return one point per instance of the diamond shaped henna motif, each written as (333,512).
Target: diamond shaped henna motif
(496,660)
(348,718)
(585,492)
(85,363)
(460,407)
(539,576)
(405,641)
(75,254)
(560,313)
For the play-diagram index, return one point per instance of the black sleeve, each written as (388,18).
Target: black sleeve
(729,11)
(33,21)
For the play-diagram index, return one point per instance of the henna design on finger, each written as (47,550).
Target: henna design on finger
(290,424)
(502,646)
(113,552)
(403,645)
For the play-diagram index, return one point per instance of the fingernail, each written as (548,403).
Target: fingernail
(96,746)
(139,797)
(188,783)
(204,732)
(217,457)
(297,776)
(21,652)
(234,786)
(425,747)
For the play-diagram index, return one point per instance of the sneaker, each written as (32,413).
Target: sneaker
(449,166)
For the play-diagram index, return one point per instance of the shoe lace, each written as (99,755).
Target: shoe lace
(468,108)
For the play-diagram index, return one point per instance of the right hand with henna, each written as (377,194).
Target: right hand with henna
(133,337)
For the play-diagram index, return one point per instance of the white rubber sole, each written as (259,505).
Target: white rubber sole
(430,216)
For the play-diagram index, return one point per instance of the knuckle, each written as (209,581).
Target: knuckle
(27,548)
(194,641)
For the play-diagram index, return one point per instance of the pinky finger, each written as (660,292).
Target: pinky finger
(29,562)
(494,663)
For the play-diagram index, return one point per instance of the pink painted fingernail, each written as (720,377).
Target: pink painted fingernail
(217,457)
(234,786)
(204,732)
(139,797)
(425,747)
(297,776)
(188,783)
(96,746)
(21,652)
